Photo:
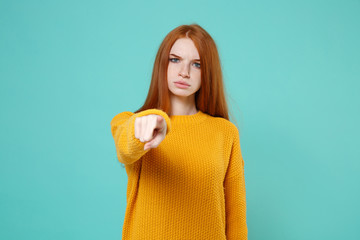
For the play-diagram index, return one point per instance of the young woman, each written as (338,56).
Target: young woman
(181,153)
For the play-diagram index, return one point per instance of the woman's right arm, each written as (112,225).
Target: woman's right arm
(129,149)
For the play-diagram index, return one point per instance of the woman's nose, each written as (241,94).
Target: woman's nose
(184,71)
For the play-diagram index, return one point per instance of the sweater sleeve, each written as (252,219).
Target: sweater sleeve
(128,148)
(235,194)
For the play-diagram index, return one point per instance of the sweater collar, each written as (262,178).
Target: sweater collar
(189,119)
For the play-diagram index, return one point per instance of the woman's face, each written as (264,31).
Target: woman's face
(184,66)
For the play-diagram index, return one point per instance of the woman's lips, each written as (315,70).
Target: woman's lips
(181,85)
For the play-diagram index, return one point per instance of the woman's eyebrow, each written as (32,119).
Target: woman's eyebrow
(181,57)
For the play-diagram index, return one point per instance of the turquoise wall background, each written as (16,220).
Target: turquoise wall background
(291,70)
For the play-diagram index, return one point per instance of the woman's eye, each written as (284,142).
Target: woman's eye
(172,59)
(197,65)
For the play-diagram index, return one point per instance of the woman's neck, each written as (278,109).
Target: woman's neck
(183,106)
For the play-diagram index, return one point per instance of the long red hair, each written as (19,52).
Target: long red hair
(210,98)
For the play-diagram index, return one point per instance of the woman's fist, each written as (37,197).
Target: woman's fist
(150,129)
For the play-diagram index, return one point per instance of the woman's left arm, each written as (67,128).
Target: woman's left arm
(235,194)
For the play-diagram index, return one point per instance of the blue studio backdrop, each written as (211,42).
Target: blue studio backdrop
(291,71)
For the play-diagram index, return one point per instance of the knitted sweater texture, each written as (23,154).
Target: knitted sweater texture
(192,186)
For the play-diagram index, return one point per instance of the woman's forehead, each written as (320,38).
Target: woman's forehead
(185,47)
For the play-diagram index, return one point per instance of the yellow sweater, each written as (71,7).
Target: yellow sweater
(192,186)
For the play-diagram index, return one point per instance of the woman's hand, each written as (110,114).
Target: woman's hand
(150,129)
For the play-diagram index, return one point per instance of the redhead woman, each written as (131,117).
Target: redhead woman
(181,152)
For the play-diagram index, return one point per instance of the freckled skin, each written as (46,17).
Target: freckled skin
(185,69)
